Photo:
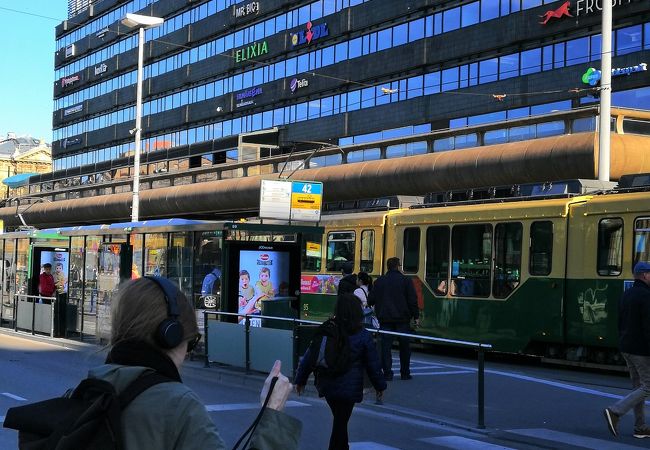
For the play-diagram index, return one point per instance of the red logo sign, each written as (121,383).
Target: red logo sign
(557,13)
(264,257)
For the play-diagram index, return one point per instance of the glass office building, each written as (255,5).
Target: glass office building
(294,76)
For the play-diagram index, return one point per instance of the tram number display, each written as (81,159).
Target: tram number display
(306,201)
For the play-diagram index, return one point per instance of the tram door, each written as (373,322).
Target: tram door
(114,266)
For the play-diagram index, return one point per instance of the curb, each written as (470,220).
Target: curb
(60,342)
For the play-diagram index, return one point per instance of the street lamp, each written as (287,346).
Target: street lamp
(142,23)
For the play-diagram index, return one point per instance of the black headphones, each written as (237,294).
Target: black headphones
(170,331)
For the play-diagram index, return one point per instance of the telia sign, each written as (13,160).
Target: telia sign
(296,84)
(592,76)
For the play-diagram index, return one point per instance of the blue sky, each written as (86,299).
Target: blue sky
(27,65)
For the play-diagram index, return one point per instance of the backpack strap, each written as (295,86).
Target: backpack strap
(141,384)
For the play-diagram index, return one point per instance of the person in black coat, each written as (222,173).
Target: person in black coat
(342,392)
(634,344)
(395,302)
(348,283)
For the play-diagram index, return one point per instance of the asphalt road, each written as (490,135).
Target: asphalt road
(526,407)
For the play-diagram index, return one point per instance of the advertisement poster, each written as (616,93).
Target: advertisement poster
(263,275)
(60,268)
(319,284)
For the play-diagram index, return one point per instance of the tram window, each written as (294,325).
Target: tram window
(340,248)
(641,240)
(541,248)
(507,258)
(437,259)
(471,254)
(367,250)
(411,250)
(311,252)
(610,247)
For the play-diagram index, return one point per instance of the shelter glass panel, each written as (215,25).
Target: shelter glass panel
(180,261)
(137,267)
(471,253)
(75,273)
(90,280)
(610,247)
(437,259)
(8,279)
(340,248)
(507,262)
(155,247)
(22,265)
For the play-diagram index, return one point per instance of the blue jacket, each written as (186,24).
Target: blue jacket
(349,386)
(634,320)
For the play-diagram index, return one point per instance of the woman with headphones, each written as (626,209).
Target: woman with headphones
(153,327)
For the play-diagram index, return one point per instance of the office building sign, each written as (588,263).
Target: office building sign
(296,84)
(246,10)
(73,109)
(557,13)
(100,69)
(246,97)
(69,81)
(592,76)
(69,142)
(255,50)
(586,7)
(309,34)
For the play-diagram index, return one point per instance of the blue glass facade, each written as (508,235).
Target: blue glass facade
(319,81)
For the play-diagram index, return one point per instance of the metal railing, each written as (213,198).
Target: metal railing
(34,300)
(481,348)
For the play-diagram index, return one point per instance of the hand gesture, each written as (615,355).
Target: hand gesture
(280,391)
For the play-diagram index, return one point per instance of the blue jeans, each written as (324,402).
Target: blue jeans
(404,348)
(640,374)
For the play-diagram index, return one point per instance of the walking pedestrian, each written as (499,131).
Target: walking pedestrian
(634,344)
(395,302)
(348,283)
(343,391)
(170,415)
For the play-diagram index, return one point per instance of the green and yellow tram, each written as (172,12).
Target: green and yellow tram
(540,276)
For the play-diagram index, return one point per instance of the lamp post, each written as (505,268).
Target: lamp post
(142,23)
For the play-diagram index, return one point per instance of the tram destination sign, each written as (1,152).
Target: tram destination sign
(291,200)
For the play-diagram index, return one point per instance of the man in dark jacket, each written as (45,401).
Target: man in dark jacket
(348,283)
(634,344)
(395,301)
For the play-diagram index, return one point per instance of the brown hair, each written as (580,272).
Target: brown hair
(140,307)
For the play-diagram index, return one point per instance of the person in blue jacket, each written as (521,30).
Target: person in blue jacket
(342,392)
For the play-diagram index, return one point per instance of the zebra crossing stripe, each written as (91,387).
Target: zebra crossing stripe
(463,443)
(574,439)
(240,406)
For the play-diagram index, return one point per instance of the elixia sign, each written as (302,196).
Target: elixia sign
(311,33)
(252,51)
(592,76)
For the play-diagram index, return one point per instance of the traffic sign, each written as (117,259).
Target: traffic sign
(306,200)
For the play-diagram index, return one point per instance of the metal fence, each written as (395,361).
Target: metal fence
(256,347)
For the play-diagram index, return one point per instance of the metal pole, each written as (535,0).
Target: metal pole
(33,314)
(605,93)
(481,388)
(135,207)
(205,338)
(248,342)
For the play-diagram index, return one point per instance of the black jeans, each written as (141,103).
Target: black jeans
(404,348)
(341,410)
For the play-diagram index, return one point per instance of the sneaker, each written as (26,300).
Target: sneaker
(612,421)
(642,432)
